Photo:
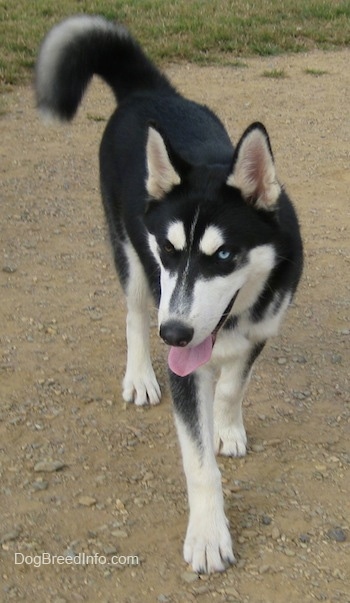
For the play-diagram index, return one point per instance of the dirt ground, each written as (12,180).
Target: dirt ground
(81,471)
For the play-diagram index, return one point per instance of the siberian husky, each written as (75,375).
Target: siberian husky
(203,227)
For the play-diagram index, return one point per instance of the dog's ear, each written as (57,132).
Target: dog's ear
(161,174)
(253,171)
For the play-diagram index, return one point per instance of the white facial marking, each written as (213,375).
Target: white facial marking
(261,261)
(176,235)
(211,241)
(210,298)
(153,245)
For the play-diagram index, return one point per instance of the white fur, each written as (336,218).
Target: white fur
(229,433)
(208,545)
(254,171)
(153,245)
(261,261)
(211,240)
(161,177)
(176,235)
(167,285)
(270,323)
(140,384)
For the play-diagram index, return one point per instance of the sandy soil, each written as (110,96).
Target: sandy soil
(111,482)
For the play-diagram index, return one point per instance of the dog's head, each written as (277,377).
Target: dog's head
(212,232)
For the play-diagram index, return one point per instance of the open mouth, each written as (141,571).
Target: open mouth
(185,360)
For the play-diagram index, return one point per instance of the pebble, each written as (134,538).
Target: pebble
(49,466)
(120,534)
(9,536)
(289,552)
(321,468)
(38,486)
(69,553)
(300,359)
(258,448)
(230,590)
(336,534)
(87,501)
(110,550)
(274,442)
(189,577)
(266,520)
(337,573)
(249,534)
(336,359)
(201,590)
(148,476)
(120,506)
(275,534)
(9,269)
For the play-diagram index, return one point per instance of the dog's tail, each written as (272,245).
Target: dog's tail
(81,46)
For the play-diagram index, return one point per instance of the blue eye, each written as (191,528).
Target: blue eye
(224,254)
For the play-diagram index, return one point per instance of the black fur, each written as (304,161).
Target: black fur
(203,157)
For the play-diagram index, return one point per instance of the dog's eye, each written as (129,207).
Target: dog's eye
(168,247)
(224,254)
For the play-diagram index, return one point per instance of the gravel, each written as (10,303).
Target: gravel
(83,472)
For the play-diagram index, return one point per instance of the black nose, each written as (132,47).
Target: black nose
(176,333)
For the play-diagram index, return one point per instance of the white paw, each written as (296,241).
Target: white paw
(208,545)
(230,440)
(141,387)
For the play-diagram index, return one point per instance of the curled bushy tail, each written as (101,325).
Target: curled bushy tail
(81,46)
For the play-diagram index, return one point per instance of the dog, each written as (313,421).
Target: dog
(202,227)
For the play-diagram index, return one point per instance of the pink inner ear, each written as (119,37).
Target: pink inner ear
(254,171)
(265,178)
(255,166)
(162,176)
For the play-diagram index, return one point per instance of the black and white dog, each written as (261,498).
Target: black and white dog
(204,228)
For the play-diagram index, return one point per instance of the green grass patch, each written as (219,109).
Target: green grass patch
(277,74)
(200,31)
(316,72)
(96,118)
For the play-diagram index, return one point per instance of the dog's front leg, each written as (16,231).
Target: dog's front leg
(208,546)
(140,384)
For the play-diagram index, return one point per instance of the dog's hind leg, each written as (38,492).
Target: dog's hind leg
(230,437)
(140,384)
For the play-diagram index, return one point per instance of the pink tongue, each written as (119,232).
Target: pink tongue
(183,361)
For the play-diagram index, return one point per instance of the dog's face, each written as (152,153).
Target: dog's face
(212,233)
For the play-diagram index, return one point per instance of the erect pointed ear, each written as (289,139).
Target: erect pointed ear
(253,171)
(161,174)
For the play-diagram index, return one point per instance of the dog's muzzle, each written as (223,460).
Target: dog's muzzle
(184,359)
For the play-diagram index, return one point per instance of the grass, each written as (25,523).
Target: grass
(316,72)
(277,74)
(201,31)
